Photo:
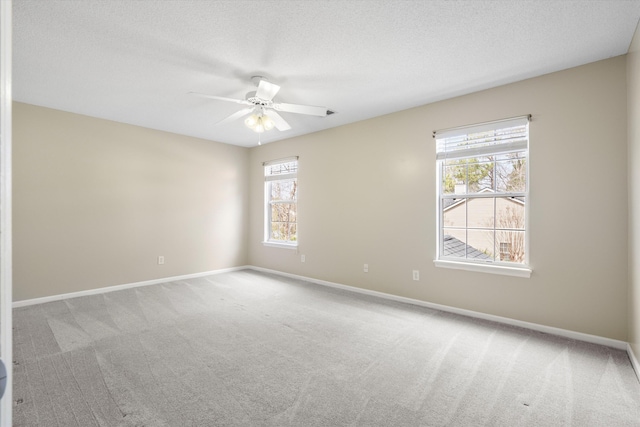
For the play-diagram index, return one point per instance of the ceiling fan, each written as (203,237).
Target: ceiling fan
(263,109)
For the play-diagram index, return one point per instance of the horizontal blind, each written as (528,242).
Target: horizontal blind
(503,136)
(278,161)
(283,169)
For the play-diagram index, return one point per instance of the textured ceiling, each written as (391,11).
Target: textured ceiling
(135,61)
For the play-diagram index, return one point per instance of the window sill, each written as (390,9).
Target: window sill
(494,269)
(281,245)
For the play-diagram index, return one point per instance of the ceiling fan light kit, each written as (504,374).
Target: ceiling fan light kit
(259,123)
(263,109)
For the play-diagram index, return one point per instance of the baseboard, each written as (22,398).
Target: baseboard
(621,345)
(579,336)
(634,361)
(96,291)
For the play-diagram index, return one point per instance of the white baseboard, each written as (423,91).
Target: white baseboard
(634,361)
(621,345)
(594,339)
(579,336)
(96,291)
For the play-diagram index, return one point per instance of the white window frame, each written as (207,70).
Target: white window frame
(268,180)
(446,149)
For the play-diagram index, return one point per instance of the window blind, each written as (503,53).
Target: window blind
(281,169)
(502,136)
(278,161)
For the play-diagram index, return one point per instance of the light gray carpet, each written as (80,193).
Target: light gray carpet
(251,349)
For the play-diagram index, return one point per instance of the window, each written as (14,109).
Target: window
(483,193)
(505,250)
(281,202)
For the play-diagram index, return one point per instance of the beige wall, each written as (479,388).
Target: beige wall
(633,102)
(96,202)
(367,195)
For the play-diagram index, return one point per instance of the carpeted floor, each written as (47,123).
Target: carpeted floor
(252,349)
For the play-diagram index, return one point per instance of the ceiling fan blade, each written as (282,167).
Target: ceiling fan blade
(301,109)
(267,90)
(281,124)
(222,98)
(235,116)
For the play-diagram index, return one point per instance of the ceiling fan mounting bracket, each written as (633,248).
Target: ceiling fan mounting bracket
(256,79)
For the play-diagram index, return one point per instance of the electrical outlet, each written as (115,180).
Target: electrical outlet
(160,260)
(416,275)
(366,268)
(302,258)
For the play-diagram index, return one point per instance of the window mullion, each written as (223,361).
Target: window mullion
(483,195)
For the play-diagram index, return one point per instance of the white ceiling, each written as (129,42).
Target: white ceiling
(135,61)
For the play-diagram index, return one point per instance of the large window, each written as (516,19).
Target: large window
(483,193)
(281,202)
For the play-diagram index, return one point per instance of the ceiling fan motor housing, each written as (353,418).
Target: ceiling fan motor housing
(252,98)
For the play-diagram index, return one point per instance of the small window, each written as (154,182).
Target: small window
(281,202)
(483,193)
(505,250)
